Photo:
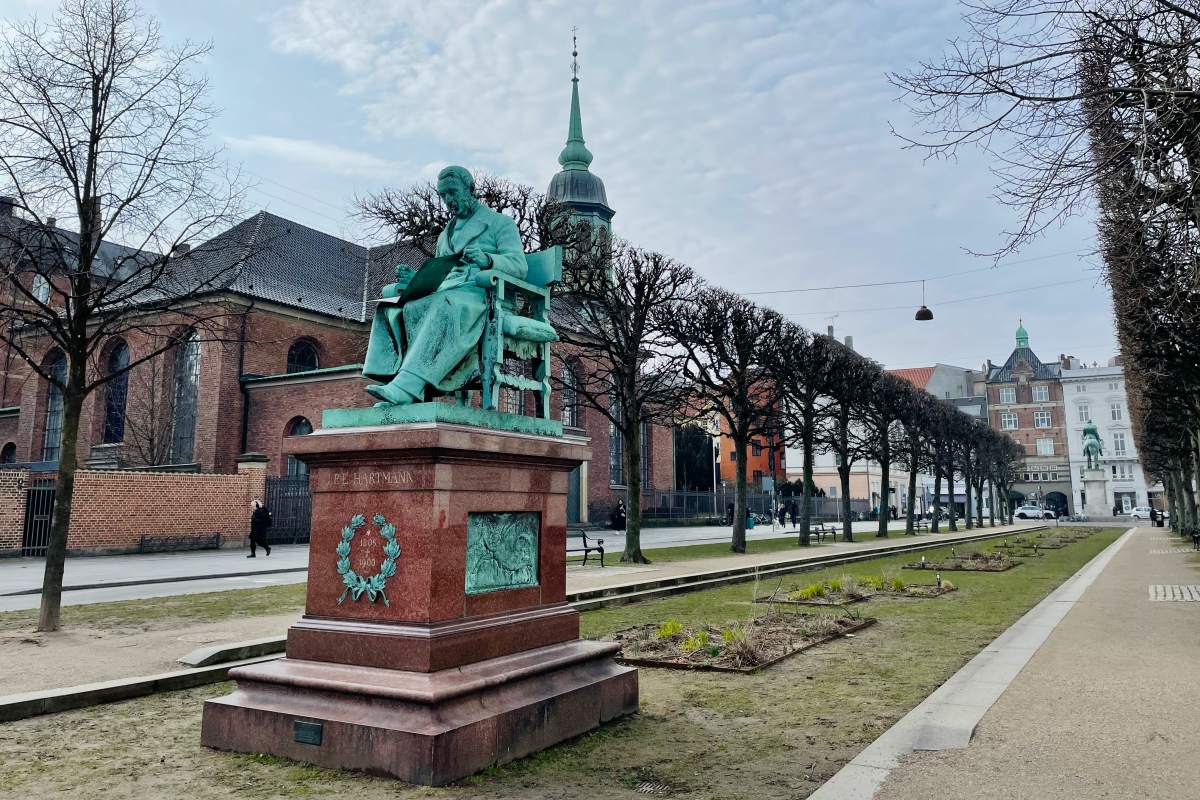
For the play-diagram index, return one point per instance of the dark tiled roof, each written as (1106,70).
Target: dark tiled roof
(18,233)
(1004,374)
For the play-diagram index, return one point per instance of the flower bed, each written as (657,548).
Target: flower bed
(742,647)
(924,590)
(969,562)
(833,592)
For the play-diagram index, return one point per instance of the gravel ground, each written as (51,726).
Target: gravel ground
(1104,709)
(101,654)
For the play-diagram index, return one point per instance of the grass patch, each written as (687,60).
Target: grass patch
(780,732)
(154,611)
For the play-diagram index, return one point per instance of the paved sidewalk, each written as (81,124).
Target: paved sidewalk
(1105,708)
(133,577)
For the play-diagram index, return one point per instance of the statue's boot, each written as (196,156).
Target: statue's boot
(403,390)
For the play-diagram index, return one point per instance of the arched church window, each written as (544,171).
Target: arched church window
(302,357)
(8,455)
(116,393)
(52,429)
(187,384)
(299,426)
(570,396)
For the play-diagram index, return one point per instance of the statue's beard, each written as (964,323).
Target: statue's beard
(460,208)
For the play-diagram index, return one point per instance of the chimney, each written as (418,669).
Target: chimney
(7,204)
(829,331)
(180,249)
(850,342)
(51,222)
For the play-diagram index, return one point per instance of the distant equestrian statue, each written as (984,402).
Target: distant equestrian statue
(1093,448)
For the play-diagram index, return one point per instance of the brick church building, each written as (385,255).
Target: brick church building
(296,350)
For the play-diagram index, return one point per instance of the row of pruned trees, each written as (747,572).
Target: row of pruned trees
(657,345)
(1096,106)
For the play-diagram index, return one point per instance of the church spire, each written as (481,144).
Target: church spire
(575,155)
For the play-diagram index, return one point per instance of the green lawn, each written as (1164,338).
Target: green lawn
(779,733)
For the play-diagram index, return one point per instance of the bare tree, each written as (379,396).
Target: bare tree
(614,315)
(150,413)
(841,435)
(103,125)
(878,419)
(730,343)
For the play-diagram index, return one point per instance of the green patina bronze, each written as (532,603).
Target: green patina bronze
(1093,447)
(467,315)
(502,550)
(439,412)
(373,586)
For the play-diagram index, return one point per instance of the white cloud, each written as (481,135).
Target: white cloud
(749,140)
(316,155)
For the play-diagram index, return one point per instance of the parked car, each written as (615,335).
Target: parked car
(1143,512)
(1033,512)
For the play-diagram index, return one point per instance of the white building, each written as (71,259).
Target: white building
(1098,394)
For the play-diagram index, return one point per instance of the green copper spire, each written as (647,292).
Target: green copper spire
(1022,334)
(575,155)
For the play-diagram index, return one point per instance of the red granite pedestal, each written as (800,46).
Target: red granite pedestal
(439,682)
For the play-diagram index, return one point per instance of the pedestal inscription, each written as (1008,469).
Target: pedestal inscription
(502,550)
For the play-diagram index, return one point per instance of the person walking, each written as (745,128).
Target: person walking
(260,520)
(782,514)
(794,513)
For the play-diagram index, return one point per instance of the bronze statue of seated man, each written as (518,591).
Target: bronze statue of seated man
(432,342)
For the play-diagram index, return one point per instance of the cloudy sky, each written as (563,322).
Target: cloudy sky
(748,139)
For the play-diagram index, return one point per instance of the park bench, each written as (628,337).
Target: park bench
(823,529)
(585,545)
(166,544)
(920,526)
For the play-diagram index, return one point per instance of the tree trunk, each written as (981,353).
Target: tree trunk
(936,522)
(991,503)
(56,551)
(885,475)
(844,480)
(978,502)
(950,493)
(968,515)
(739,503)
(633,495)
(913,455)
(806,442)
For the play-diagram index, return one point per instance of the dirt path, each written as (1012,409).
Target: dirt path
(1104,709)
(84,654)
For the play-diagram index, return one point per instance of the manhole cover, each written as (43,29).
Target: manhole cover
(1181,594)
(653,787)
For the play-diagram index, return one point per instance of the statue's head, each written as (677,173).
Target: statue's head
(456,187)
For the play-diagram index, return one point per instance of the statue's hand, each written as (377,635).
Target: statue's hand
(476,257)
(404,274)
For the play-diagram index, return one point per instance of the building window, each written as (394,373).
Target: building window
(512,400)
(116,393)
(616,449)
(832,491)
(1041,394)
(1041,419)
(302,357)
(187,383)
(1079,387)
(1114,386)
(1085,412)
(1008,420)
(1045,447)
(298,427)
(1118,444)
(733,455)
(52,429)
(1116,411)
(8,455)
(758,476)
(755,449)
(1008,396)
(40,289)
(570,397)
(1025,477)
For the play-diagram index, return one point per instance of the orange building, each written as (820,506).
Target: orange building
(764,458)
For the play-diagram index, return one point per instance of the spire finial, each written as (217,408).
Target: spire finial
(575,155)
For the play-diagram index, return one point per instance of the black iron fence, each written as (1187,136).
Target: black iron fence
(39,514)
(289,499)
(681,504)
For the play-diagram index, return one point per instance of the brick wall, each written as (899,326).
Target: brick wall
(274,405)
(12,510)
(111,510)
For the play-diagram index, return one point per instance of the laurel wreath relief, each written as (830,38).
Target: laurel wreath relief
(373,586)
